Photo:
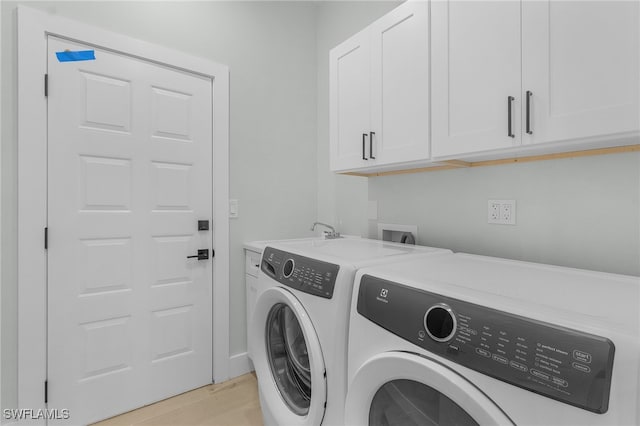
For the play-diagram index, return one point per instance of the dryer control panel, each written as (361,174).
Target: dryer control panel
(560,363)
(299,272)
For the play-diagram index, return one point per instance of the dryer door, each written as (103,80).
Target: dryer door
(401,389)
(288,360)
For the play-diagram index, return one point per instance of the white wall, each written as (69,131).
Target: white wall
(581,212)
(342,200)
(270,48)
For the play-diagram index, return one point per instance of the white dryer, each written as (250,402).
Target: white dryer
(299,330)
(471,340)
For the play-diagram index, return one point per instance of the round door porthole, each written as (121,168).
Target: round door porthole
(405,402)
(403,388)
(289,358)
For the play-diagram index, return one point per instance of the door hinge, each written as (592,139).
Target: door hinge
(46,238)
(46,85)
(213,253)
(46,391)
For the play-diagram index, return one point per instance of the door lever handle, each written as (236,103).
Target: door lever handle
(203,254)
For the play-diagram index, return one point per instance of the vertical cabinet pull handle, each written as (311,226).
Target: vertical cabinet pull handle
(509,132)
(364,144)
(529,131)
(371,134)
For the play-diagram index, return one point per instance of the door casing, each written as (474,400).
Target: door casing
(33,28)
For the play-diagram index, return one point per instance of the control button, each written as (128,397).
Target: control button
(500,359)
(581,356)
(561,382)
(288,268)
(518,366)
(540,375)
(483,352)
(580,367)
(421,334)
(440,322)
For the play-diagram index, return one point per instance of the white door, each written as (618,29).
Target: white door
(580,65)
(129,176)
(476,70)
(402,388)
(400,84)
(349,104)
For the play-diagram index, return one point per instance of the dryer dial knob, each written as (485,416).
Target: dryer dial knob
(440,322)
(288,268)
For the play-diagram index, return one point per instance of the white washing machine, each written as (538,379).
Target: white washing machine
(470,340)
(299,330)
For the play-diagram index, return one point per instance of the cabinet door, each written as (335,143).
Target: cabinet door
(400,84)
(349,103)
(476,66)
(580,62)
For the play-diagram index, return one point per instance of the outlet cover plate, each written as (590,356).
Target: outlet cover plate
(233,208)
(501,212)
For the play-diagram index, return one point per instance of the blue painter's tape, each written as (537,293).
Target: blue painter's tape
(79,55)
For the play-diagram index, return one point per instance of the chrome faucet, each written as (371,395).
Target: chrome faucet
(329,235)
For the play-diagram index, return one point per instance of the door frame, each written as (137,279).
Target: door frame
(34,27)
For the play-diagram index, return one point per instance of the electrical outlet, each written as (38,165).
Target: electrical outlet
(502,212)
(494,212)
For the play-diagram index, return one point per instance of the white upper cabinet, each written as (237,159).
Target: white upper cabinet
(476,60)
(379,92)
(509,74)
(400,84)
(349,100)
(475,79)
(580,65)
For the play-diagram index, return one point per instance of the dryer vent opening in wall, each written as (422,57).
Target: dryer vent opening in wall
(407,234)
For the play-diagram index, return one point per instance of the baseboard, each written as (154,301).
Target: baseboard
(239,364)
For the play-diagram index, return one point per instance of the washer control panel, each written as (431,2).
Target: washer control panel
(299,272)
(560,363)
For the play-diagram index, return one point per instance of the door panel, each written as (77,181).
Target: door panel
(476,65)
(350,100)
(400,84)
(581,63)
(130,173)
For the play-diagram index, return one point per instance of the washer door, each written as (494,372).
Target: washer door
(288,360)
(401,389)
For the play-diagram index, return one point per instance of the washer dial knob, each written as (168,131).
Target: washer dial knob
(288,268)
(440,322)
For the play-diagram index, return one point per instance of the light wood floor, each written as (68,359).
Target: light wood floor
(232,403)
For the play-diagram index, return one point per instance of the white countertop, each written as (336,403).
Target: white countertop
(259,246)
